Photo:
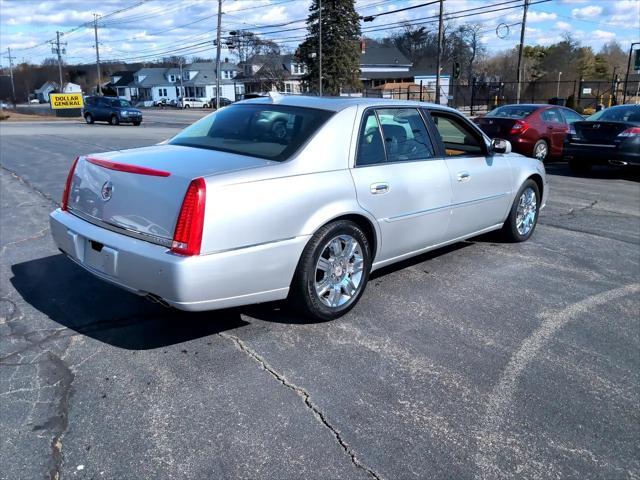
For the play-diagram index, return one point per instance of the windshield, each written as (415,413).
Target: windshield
(623,113)
(512,111)
(273,132)
(119,102)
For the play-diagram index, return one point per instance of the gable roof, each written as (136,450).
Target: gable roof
(383,55)
(126,77)
(46,85)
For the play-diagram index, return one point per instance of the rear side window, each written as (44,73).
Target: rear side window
(459,138)
(404,137)
(512,111)
(624,113)
(370,147)
(273,132)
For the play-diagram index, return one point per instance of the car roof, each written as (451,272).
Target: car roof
(338,103)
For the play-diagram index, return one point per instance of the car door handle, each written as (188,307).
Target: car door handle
(463,176)
(377,188)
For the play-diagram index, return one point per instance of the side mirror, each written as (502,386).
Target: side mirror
(499,145)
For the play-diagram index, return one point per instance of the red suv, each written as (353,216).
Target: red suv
(533,130)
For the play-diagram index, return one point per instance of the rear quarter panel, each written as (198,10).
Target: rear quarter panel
(288,200)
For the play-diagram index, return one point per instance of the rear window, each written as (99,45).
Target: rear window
(273,132)
(630,113)
(513,111)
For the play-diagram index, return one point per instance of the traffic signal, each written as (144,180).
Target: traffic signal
(456,70)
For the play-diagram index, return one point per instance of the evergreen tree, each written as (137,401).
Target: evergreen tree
(340,47)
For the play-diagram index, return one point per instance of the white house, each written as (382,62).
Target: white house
(193,80)
(43,92)
(71,88)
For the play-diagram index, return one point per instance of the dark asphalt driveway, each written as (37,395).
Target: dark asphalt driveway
(481,360)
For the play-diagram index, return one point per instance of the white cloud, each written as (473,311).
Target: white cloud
(590,11)
(603,35)
(540,16)
(563,26)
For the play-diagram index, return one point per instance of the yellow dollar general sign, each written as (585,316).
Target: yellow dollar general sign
(66,100)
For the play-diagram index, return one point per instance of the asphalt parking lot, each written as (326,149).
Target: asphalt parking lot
(481,360)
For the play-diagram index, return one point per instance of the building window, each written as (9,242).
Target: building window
(226,74)
(172,78)
(298,68)
(287,88)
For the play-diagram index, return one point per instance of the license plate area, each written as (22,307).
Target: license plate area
(100,257)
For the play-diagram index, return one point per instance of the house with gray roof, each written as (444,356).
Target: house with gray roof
(263,73)
(158,84)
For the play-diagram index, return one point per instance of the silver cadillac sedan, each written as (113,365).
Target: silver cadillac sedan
(292,197)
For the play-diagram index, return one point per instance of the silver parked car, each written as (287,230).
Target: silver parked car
(292,197)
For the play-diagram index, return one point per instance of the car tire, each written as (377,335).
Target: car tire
(113,120)
(136,124)
(88,118)
(541,150)
(187,106)
(579,166)
(520,224)
(329,281)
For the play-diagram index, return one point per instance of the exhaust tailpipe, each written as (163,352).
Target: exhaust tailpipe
(156,299)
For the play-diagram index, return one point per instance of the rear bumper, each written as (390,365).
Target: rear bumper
(601,154)
(220,280)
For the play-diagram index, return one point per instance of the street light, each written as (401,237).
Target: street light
(558,87)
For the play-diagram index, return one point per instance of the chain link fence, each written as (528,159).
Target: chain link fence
(584,96)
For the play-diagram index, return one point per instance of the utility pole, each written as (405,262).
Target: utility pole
(95,31)
(56,49)
(218,46)
(320,47)
(181,81)
(13,88)
(519,72)
(439,62)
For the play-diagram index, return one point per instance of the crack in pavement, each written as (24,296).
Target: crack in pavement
(60,375)
(59,424)
(307,401)
(39,234)
(28,184)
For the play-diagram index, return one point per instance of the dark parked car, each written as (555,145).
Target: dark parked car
(112,110)
(223,102)
(534,130)
(610,136)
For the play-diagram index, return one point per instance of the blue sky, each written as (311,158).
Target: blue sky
(156,28)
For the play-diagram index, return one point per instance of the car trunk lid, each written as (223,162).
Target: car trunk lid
(497,126)
(139,192)
(603,133)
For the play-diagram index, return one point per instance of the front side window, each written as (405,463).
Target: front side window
(273,132)
(551,115)
(459,139)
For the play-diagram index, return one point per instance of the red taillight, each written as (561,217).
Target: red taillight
(630,132)
(519,127)
(67,186)
(187,237)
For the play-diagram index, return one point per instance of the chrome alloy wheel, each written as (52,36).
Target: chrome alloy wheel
(339,271)
(526,211)
(541,151)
